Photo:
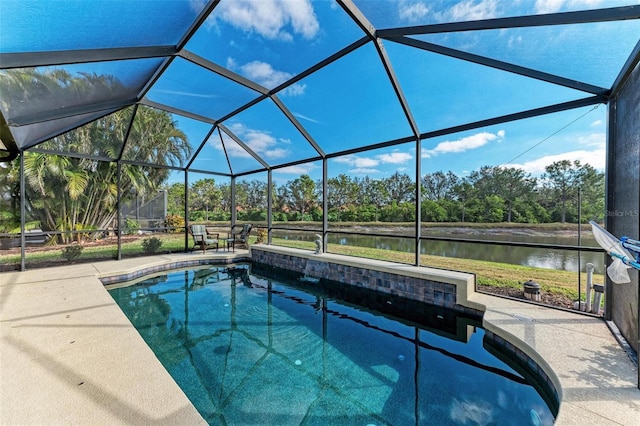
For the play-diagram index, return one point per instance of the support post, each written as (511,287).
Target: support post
(23,210)
(418,201)
(579,244)
(119,210)
(234,212)
(610,182)
(186,210)
(325,204)
(269,204)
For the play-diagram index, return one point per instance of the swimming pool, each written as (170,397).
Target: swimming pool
(249,346)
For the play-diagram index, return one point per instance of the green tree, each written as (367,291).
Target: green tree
(342,194)
(400,187)
(439,186)
(300,196)
(564,178)
(204,195)
(90,186)
(374,192)
(512,184)
(175,199)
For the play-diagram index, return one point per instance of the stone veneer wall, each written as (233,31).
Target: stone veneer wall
(414,288)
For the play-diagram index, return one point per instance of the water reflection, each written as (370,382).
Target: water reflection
(567,260)
(248,348)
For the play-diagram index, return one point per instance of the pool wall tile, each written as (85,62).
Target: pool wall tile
(115,279)
(529,366)
(411,287)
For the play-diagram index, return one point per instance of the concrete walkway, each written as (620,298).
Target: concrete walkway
(596,378)
(70,356)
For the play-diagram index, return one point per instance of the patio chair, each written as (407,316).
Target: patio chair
(202,239)
(239,234)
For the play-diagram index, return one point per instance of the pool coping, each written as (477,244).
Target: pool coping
(595,377)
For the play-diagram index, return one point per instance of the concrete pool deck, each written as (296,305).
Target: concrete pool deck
(70,356)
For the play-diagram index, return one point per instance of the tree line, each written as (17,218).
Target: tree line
(564,192)
(67,193)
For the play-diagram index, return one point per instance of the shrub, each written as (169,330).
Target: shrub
(151,245)
(131,226)
(175,223)
(72,252)
(261,235)
(196,216)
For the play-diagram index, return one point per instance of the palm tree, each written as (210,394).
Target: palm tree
(73,194)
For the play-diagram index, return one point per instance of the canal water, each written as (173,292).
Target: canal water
(559,259)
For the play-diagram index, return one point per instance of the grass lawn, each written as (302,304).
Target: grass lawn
(493,274)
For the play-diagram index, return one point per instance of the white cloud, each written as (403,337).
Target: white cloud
(368,163)
(364,171)
(272,19)
(470,10)
(304,117)
(354,160)
(461,145)
(191,94)
(261,142)
(412,13)
(265,75)
(597,140)
(294,90)
(548,6)
(300,169)
(595,158)
(551,6)
(596,123)
(514,41)
(395,157)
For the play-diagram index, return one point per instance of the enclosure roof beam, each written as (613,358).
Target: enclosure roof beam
(626,70)
(56,114)
(174,110)
(504,66)
(211,66)
(62,57)
(73,154)
(195,26)
(562,18)
(339,54)
(243,145)
(358,17)
(296,163)
(208,172)
(593,100)
(200,146)
(564,106)
(297,124)
(371,147)
(391,75)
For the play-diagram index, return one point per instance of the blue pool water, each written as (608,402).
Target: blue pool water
(251,349)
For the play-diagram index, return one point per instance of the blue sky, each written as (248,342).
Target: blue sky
(351,103)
